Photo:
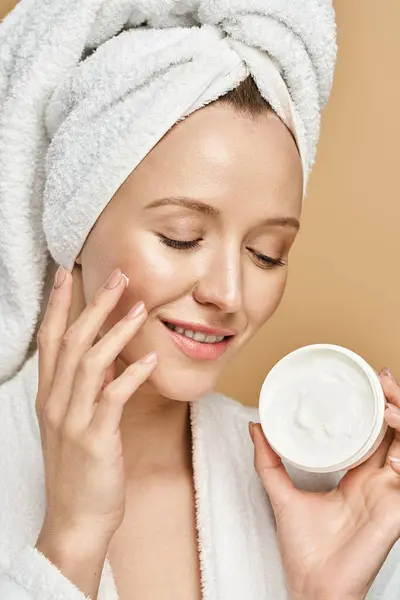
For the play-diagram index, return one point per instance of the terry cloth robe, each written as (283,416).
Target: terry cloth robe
(239,555)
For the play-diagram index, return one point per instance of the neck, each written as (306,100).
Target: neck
(156,435)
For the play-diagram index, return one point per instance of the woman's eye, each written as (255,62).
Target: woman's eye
(266,262)
(179,244)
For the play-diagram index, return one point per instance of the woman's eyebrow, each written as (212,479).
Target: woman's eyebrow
(202,207)
(190,203)
(282,222)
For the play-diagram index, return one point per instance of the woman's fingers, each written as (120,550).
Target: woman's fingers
(84,467)
(109,376)
(51,333)
(390,387)
(78,340)
(93,366)
(378,458)
(271,471)
(107,417)
(392,417)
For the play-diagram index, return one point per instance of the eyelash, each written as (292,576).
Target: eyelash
(180,245)
(188,245)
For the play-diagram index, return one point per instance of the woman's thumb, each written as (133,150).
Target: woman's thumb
(271,470)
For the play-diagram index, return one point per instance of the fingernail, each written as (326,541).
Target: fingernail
(149,358)
(386,371)
(394,459)
(251,431)
(127,279)
(393,408)
(113,280)
(135,310)
(60,277)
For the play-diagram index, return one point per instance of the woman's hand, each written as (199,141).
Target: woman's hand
(79,407)
(334,543)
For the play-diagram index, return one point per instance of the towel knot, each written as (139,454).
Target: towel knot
(314,37)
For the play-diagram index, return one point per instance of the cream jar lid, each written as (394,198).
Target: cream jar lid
(322,408)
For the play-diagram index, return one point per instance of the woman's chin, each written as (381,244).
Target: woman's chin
(183,385)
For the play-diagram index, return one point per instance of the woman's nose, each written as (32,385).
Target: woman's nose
(220,283)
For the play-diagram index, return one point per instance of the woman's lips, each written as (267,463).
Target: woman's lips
(198,350)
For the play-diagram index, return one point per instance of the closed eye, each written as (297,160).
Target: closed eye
(266,262)
(179,244)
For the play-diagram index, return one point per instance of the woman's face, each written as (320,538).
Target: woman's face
(227,188)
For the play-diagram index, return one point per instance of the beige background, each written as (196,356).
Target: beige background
(344,285)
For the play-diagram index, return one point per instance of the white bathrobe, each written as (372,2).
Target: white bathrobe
(238,549)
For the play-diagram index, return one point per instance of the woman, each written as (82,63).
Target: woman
(132,476)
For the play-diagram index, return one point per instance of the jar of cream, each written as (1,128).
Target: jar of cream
(322,409)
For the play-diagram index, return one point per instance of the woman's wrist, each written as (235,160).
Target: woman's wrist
(78,555)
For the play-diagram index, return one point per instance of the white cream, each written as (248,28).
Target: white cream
(318,407)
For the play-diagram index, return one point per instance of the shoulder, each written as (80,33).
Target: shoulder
(21,500)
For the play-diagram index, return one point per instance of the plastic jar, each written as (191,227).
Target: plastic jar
(322,409)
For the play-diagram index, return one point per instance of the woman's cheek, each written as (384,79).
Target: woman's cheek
(266,296)
(157,277)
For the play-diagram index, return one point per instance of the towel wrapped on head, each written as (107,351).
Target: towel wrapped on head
(88,88)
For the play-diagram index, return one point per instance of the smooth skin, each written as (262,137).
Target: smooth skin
(334,543)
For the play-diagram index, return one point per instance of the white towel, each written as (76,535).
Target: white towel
(88,87)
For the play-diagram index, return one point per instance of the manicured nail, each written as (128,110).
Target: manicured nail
(135,310)
(113,280)
(127,279)
(60,277)
(386,371)
(394,459)
(251,431)
(149,358)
